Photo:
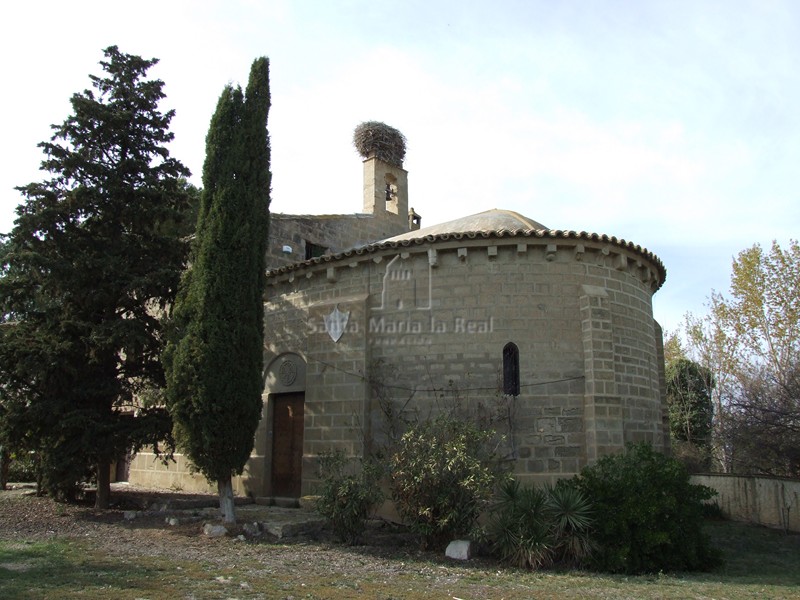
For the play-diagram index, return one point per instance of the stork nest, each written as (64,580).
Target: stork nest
(373,138)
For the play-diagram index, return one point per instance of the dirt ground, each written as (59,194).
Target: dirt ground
(23,516)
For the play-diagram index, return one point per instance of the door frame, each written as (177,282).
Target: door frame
(285,374)
(295,436)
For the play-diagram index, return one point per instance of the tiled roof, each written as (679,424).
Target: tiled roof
(420,237)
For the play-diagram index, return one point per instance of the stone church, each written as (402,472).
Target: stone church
(547,334)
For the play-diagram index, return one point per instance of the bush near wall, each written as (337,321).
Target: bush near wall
(443,474)
(649,515)
(348,494)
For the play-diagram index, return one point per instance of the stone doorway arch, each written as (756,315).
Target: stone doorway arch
(285,386)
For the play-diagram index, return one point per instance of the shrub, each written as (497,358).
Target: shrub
(346,500)
(520,529)
(22,466)
(534,528)
(651,515)
(443,474)
(573,520)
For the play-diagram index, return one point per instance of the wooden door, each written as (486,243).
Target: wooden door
(287,444)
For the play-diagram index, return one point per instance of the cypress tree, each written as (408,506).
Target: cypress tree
(214,362)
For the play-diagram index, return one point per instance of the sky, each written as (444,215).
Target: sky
(673,124)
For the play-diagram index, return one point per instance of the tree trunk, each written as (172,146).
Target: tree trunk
(103,496)
(37,463)
(226,504)
(5,458)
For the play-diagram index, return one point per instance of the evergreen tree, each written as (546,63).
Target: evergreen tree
(214,364)
(689,387)
(88,268)
(690,409)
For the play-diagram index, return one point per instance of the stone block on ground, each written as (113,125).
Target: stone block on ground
(293,527)
(214,531)
(459,550)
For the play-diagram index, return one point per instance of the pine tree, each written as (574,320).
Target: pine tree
(214,363)
(92,259)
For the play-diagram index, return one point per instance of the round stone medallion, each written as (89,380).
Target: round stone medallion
(287,373)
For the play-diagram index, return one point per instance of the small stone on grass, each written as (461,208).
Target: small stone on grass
(214,531)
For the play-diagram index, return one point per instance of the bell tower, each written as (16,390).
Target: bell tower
(385,180)
(385,188)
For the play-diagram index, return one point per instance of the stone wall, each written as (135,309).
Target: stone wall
(147,470)
(336,233)
(426,328)
(772,502)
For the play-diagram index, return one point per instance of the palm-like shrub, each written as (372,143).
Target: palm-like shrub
(573,518)
(520,529)
(536,527)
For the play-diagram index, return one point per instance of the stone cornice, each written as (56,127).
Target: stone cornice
(552,239)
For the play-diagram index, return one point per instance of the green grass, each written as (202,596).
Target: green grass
(68,569)
(759,563)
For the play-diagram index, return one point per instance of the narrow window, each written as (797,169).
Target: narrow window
(511,369)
